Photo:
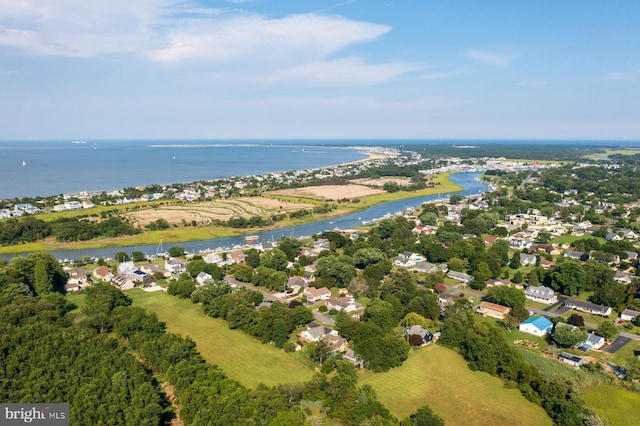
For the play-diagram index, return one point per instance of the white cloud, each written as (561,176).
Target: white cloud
(490,58)
(256,37)
(297,47)
(346,71)
(7,72)
(625,76)
(532,83)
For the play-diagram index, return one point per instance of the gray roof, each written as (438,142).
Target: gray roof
(541,292)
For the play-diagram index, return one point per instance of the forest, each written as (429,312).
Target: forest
(115,364)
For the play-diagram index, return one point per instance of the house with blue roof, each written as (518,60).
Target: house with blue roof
(538,326)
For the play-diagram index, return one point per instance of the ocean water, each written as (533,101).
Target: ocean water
(29,169)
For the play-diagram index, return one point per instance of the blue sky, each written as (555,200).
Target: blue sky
(316,69)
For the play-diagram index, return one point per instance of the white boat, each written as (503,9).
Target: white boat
(24,163)
(250,239)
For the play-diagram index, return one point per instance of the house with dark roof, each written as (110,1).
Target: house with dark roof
(577,255)
(591,308)
(571,359)
(424,336)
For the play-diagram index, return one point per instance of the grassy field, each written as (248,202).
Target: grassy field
(439,377)
(239,355)
(618,406)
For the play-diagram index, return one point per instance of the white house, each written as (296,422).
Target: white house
(538,326)
(541,294)
(629,315)
(316,294)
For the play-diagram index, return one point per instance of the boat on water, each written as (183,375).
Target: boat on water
(79,142)
(24,163)
(251,239)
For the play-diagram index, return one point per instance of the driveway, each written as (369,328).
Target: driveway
(617,344)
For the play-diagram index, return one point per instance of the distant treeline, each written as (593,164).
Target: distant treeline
(524,151)
(30,229)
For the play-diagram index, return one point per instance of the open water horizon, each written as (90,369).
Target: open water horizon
(46,168)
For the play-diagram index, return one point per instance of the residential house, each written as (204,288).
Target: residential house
(547,264)
(460,276)
(446,299)
(351,357)
(538,326)
(488,309)
(151,269)
(203,278)
(131,272)
(577,255)
(174,266)
(335,343)
(425,267)
(570,359)
(77,277)
(238,256)
(631,255)
(314,332)
(490,239)
(213,258)
(296,283)
(322,244)
(102,273)
(491,282)
(527,259)
(346,304)
(425,336)
(541,294)
(316,294)
(588,307)
(629,315)
(407,259)
(520,243)
(625,277)
(593,342)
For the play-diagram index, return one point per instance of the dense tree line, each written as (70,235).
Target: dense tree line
(25,230)
(30,229)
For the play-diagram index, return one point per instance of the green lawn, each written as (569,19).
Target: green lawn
(440,378)
(618,406)
(239,355)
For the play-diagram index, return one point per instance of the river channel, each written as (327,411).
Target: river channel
(470,181)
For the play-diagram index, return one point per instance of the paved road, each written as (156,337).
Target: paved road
(617,344)
(322,318)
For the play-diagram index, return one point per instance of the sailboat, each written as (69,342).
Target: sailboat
(160,252)
(24,163)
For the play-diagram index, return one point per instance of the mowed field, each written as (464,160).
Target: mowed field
(204,212)
(439,377)
(618,406)
(240,356)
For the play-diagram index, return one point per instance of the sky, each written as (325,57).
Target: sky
(317,69)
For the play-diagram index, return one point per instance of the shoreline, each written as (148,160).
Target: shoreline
(195,234)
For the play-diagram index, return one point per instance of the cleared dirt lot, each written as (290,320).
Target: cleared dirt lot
(204,213)
(330,192)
